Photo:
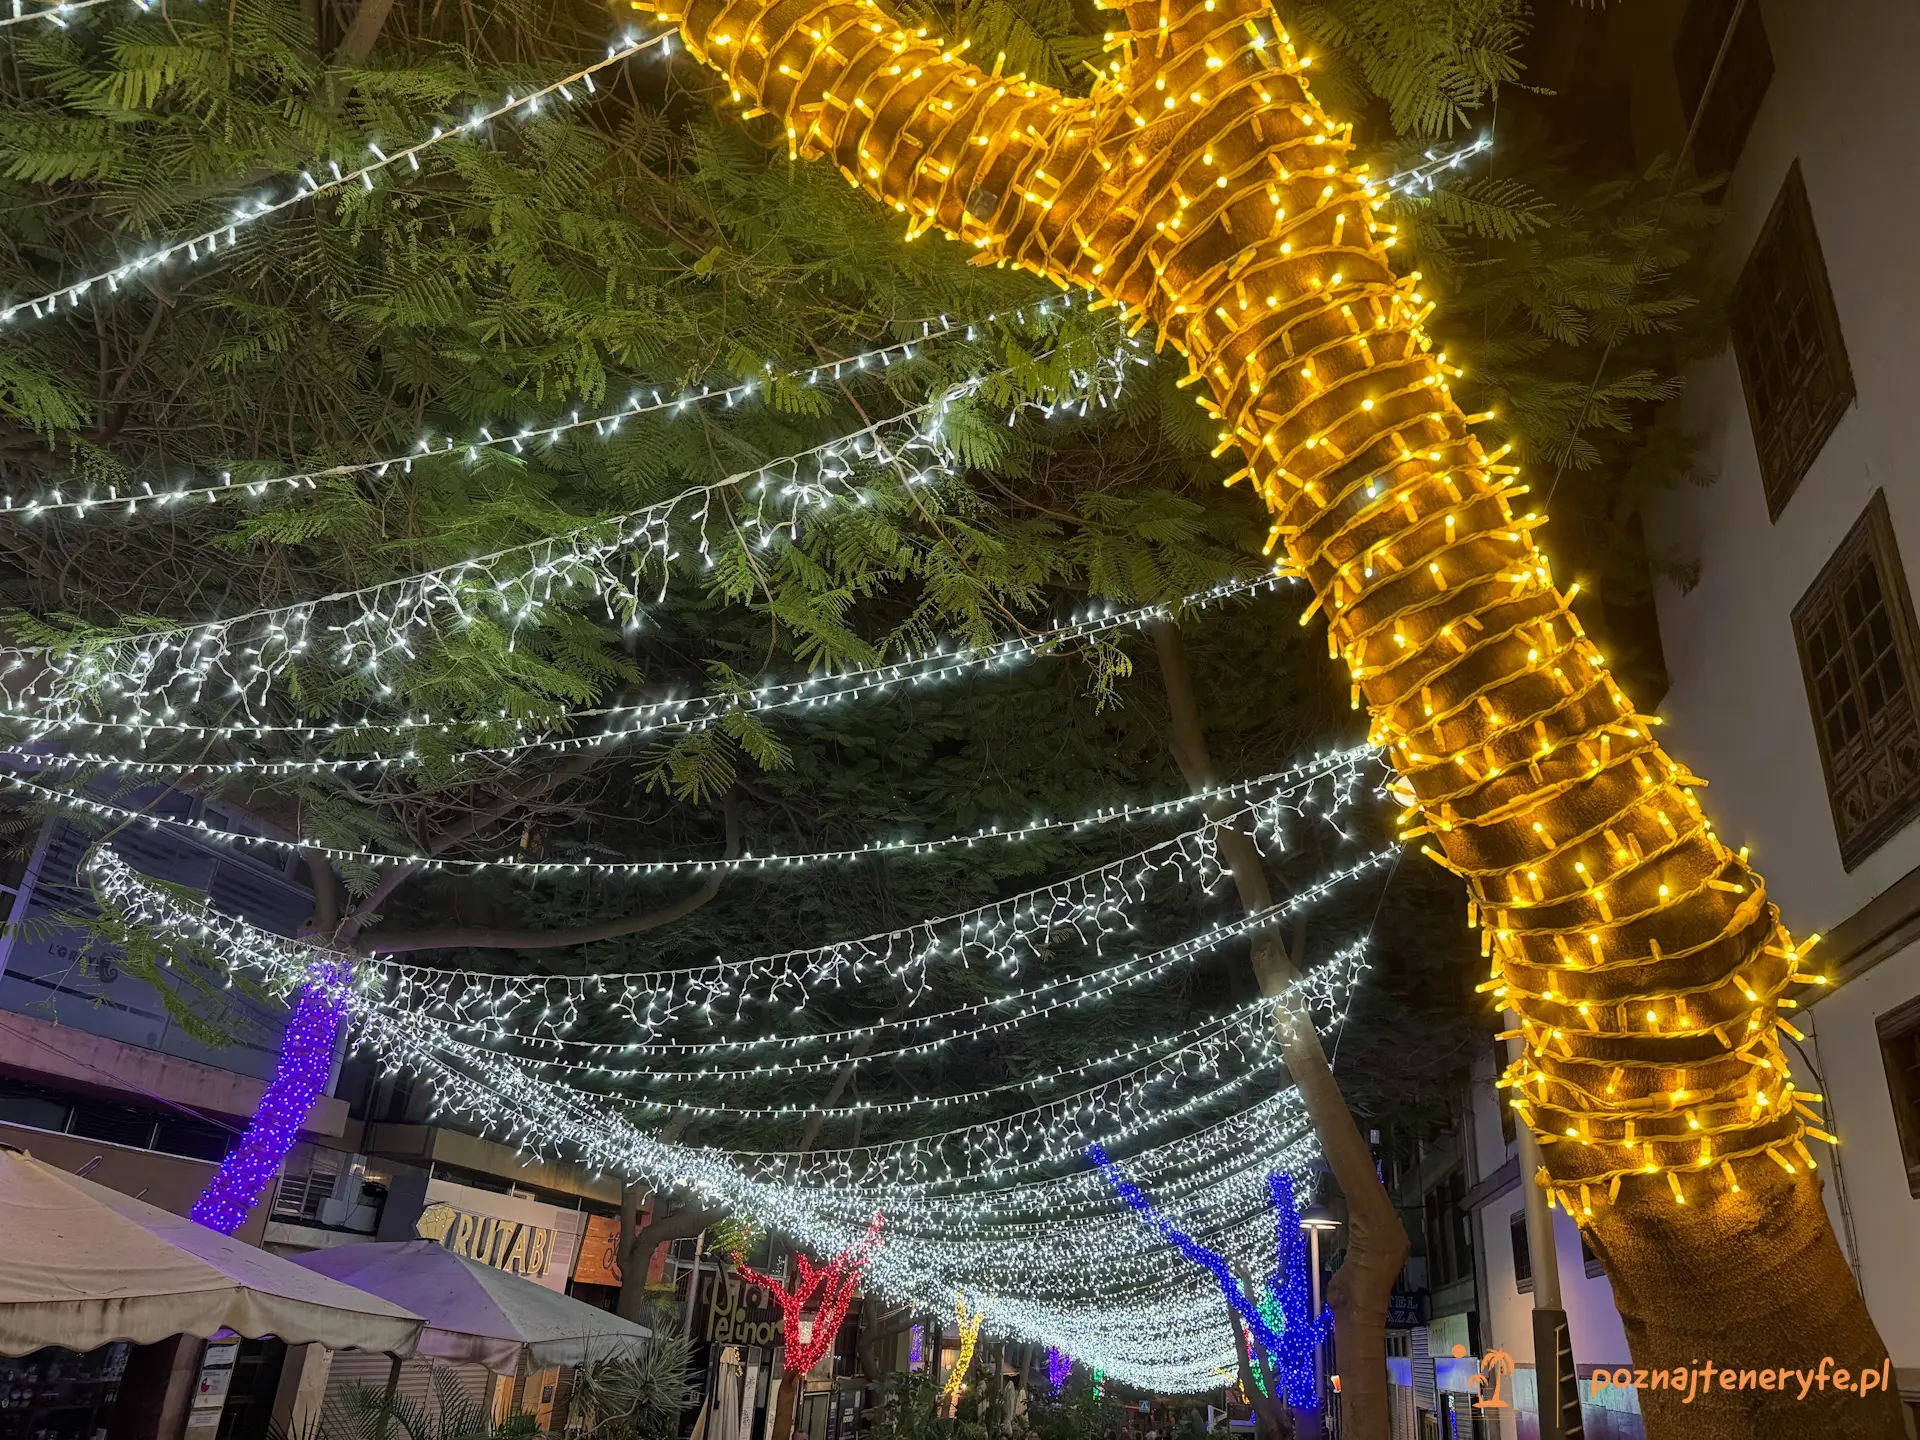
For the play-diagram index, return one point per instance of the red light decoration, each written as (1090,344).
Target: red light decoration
(833,1284)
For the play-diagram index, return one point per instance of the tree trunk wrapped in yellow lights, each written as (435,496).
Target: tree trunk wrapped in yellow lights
(1201,187)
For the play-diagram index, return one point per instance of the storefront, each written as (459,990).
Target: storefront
(521,1236)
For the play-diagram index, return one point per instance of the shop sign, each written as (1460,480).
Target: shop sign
(216,1379)
(521,1237)
(1405,1311)
(742,1314)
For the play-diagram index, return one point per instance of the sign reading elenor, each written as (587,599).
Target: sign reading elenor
(510,1245)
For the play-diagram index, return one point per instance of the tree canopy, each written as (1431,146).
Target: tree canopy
(627,242)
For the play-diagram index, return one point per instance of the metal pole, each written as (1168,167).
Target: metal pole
(1319,1366)
(1555,1380)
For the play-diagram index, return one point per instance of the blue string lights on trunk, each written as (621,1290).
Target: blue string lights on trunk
(1288,1303)
(299,1079)
(1280,1318)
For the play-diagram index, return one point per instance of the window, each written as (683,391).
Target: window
(1786,334)
(1900,1050)
(1862,665)
(1522,1256)
(1590,1262)
(1737,90)
(1502,1097)
(1449,1232)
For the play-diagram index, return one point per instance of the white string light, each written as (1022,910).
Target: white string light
(604,561)
(1027,1142)
(1000,937)
(130,503)
(1418,178)
(652,718)
(196,249)
(1331,764)
(1054,1257)
(60,15)
(1201,1050)
(980,1018)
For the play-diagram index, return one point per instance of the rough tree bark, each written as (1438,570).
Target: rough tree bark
(641,1236)
(1376,1240)
(1201,186)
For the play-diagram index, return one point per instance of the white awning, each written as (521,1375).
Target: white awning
(478,1314)
(87,1266)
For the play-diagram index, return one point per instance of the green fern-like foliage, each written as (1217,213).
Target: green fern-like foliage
(566,260)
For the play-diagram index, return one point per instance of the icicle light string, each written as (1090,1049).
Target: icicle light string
(236,659)
(649,401)
(980,1018)
(937,1236)
(1206,1052)
(60,15)
(1093,907)
(1308,774)
(543,1010)
(1030,1142)
(1327,990)
(1001,1150)
(646,720)
(1001,936)
(198,249)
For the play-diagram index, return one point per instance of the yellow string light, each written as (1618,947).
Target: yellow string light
(967,1326)
(1201,188)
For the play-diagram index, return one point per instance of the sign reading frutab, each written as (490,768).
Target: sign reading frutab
(522,1237)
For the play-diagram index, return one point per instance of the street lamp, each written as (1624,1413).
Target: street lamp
(1314,1219)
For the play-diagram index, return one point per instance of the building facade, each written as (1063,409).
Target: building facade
(1795,659)
(1792,663)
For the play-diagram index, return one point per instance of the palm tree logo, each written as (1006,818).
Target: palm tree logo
(1496,1366)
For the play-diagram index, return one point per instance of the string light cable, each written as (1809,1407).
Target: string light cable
(643,720)
(628,1060)
(60,15)
(1306,774)
(1200,1046)
(1000,936)
(1028,1142)
(648,400)
(603,560)
(218,240)
(1024,1143)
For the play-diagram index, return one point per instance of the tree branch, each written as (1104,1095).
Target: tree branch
(405,941)
(368,20)
(465,830)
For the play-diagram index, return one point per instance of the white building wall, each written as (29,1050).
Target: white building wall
(1506,1316)
(1844,104)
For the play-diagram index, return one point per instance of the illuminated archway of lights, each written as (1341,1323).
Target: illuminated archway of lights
(1038,1240)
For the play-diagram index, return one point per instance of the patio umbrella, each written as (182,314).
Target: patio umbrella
(87,1266)
(476,1313)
